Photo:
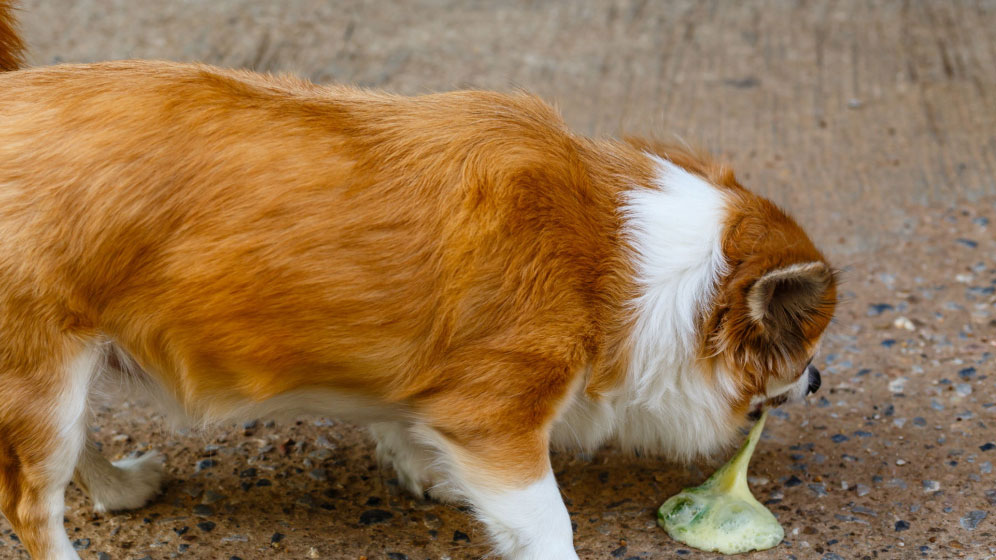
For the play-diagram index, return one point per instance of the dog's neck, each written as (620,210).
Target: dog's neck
(668,399)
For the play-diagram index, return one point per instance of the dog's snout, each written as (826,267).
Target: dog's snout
(814,379)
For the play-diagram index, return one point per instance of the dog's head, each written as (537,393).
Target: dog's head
(773,303)
(734,299)
(766,323)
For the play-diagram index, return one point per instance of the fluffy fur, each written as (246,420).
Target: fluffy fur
(457,269)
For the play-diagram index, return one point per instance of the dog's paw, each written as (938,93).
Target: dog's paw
(445,493)
(409,480)
(133,483)
(411,462)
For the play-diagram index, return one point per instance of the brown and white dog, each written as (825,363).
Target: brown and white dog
(458,270)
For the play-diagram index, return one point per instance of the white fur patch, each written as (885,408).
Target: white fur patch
(417,465)
(69,416)
(129,381)
(302,402)
(667,403)
(122,485)
(530,523)
(794,390)
(525,523)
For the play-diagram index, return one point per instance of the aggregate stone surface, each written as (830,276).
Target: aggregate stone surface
(874,122)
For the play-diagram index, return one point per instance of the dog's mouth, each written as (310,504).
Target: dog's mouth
(773,402)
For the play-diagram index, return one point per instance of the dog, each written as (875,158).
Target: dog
(458,270)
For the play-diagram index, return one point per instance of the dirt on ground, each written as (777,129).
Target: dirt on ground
(873,122)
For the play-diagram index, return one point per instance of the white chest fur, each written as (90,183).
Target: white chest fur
(666,403)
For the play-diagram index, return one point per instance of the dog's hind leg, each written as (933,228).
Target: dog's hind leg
(43,406)
(124,484)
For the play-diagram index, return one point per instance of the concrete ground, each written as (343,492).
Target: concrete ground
(874,122)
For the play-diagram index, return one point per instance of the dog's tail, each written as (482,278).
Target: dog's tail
(11,45)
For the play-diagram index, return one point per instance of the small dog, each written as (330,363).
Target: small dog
(457,270)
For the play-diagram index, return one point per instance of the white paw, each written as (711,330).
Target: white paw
(409,481)
(411,462)
(445,493)
(132,484)
(411,472)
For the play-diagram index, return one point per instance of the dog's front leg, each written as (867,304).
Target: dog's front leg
(505,475)
(527,521)
(515,495)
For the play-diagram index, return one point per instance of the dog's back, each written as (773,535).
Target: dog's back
(310,235)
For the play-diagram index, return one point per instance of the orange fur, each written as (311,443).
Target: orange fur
(11,45)
(419,251)
(454,256)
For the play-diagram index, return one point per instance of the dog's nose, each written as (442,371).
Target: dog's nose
(814,379)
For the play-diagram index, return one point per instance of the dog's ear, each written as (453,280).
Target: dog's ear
(787,297)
